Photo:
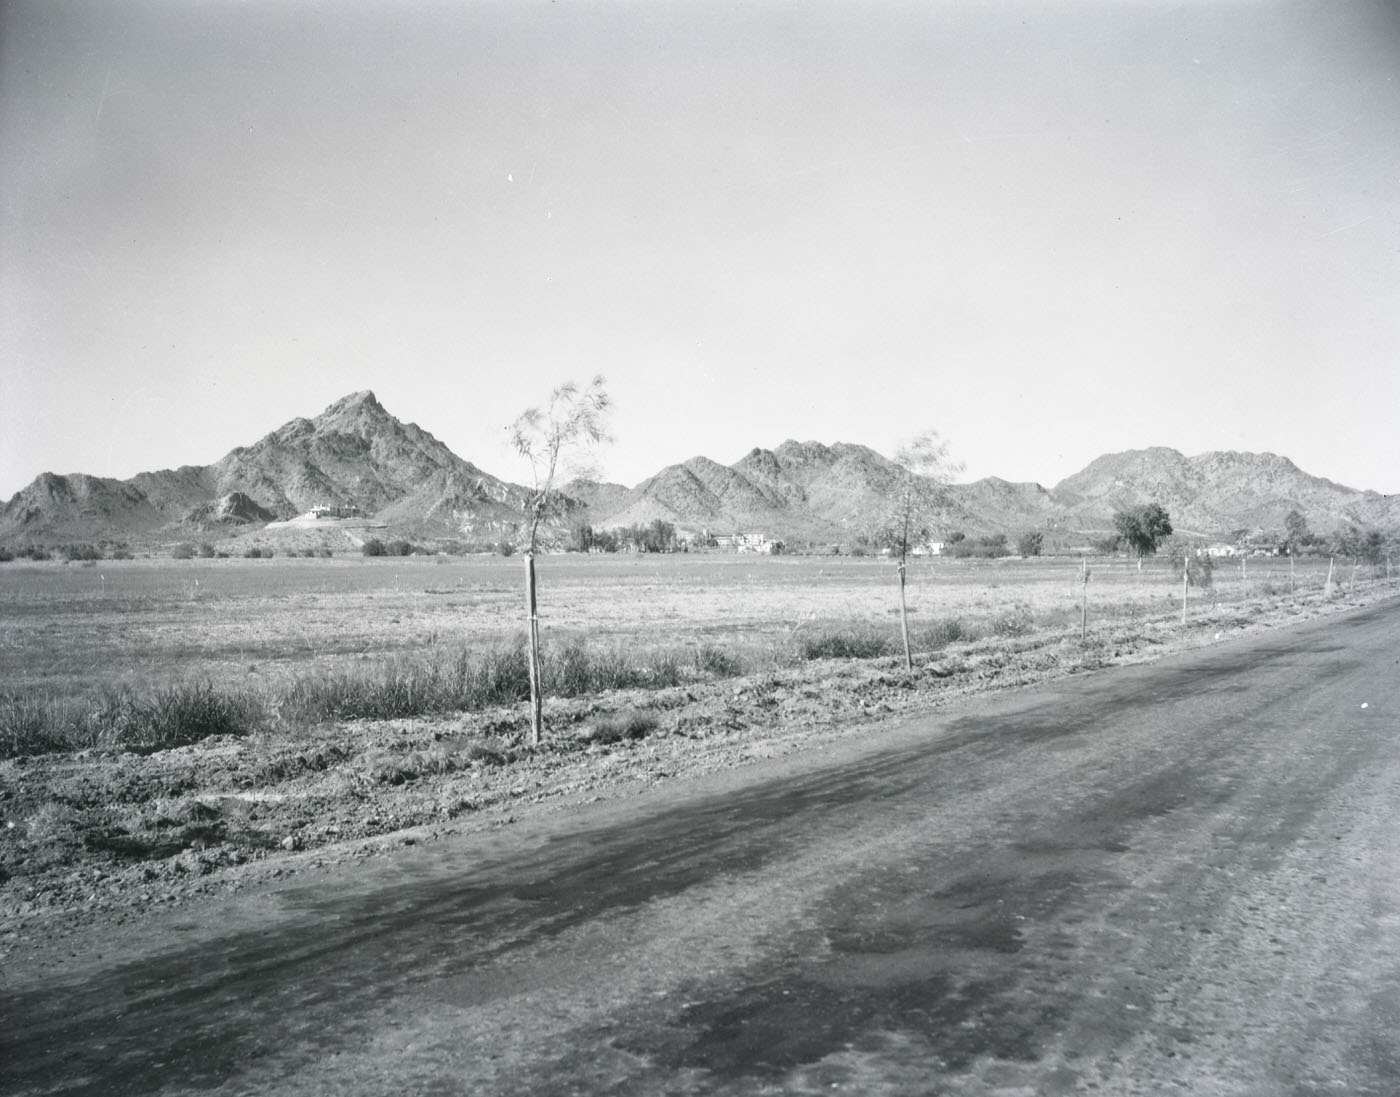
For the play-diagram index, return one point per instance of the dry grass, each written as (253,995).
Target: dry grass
(146,655)
(639,694)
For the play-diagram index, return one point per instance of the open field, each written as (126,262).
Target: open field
(69,630)
(100,831)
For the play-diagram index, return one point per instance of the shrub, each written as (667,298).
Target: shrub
(120,553)
(1017,621)
(627,725)
(373,547)
(717,663)
(1030,544)
(205,550)
(941,633)
(437,683)
(1200,566)
(186,714)
(863,643)
(6,556)
(80,552)
(505,548)
(989,547)
(168,717)
(183,551)
(576,670)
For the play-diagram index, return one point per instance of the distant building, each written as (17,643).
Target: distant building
(336,510)
(1220,548)
(749,542)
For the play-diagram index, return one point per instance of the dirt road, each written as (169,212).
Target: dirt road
(1183,876)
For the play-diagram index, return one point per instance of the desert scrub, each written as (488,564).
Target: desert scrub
(853,642)
(120,719)
(464,680)
(941,633)
(713,661)
(624,726)
(576,670)
(433,684)
(1016,621)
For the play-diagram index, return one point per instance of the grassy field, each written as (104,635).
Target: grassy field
(231,640)
(322,711)
(67,628)
(269,626)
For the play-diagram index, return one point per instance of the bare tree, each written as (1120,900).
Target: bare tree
(925,471)
(574,420)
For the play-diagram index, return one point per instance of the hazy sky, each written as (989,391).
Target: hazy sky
(1046,230)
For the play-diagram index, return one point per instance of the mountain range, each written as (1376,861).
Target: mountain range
(356,453)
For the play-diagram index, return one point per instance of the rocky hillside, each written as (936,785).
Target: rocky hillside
(356,453)
(799,491)
(1216,492)
(809,491)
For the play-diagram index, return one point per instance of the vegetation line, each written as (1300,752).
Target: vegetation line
(448,680)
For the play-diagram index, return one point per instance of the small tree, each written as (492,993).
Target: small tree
(1030,544)
(924,472)
(1295,536)
(1295,532)
(573,419)
(1142,528)
(582,538)
(1187,556)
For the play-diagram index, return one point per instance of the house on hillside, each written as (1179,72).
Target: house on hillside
(336,510)
(1220,548)
(930,548)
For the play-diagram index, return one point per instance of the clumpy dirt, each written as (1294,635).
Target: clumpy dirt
(102,836)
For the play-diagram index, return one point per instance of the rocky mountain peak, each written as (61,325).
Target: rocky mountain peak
(356,452)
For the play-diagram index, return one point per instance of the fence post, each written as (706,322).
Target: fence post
(1084,605)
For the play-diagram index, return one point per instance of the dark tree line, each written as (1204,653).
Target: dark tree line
(655,536)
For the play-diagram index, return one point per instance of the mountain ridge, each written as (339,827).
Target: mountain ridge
(356,453)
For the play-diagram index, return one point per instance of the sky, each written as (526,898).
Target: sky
(1046,231)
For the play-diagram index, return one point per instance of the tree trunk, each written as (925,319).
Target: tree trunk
(536,698)
(904,621)
(1084,604)
(1185,584)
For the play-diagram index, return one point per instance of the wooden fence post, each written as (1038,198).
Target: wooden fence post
(1084,605)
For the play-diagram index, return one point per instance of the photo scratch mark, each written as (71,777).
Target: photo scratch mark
(1345,228)
(102,99)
